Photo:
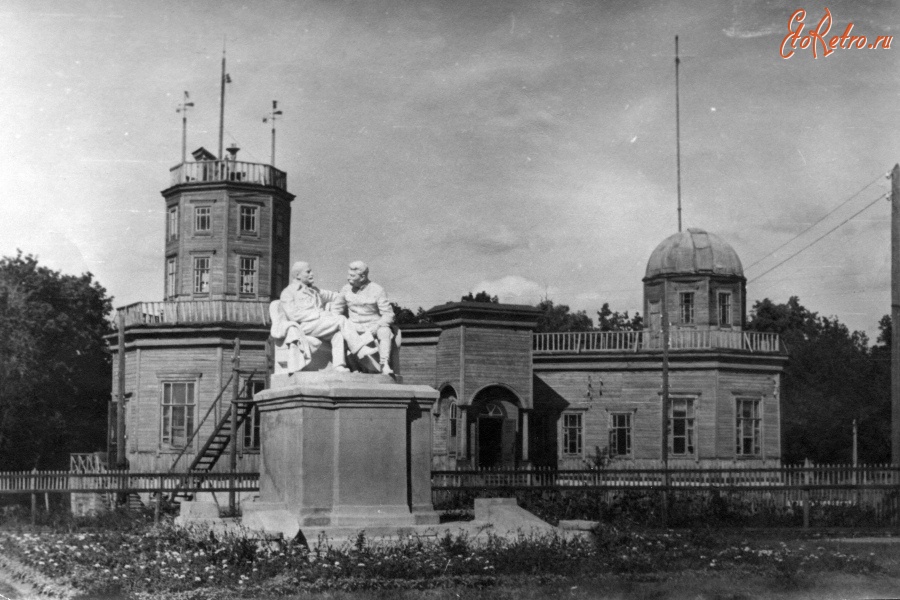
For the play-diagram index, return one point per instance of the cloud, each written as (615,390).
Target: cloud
(490,238)
(514,289)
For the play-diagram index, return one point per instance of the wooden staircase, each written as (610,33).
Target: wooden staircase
(218,441)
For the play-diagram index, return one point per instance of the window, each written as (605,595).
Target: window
(251,423)
(572,434)
(687,307)
(747,427)
(248,275)
(455,424)
(248,219)
(279,225)
(178,406)
(620,434)
(279,276)
(202,219)
(171,270)
(172,223)
(201,275)
(724,308)
(681,426)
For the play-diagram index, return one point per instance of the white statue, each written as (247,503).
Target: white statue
(366,306)
(301,320)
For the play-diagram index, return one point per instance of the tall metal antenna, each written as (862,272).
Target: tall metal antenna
(271,116)
(183,108)
(678,133)
(225,79)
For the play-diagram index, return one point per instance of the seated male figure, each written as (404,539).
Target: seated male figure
(305,305)
(366,305)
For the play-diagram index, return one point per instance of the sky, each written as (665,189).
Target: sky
(523,148)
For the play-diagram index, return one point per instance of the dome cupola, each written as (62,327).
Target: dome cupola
(696,278)
(694,252)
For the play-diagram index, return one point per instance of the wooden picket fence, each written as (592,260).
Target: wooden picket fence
(805,489)
(41,482)
(832,494)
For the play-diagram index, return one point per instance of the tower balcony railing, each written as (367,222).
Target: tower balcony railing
(215,171)
(195,312)
(637,341)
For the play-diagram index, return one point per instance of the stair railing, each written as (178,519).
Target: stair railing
(187,445)
(214,433)
(225,417)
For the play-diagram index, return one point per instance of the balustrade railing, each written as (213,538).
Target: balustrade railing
(196,311)
(635,341)
(212,171)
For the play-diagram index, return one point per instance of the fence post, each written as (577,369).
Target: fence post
(33,496)
(159,498)
(235,389)
(806,477)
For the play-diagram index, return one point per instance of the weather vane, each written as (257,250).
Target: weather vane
(271,117)
(183,108)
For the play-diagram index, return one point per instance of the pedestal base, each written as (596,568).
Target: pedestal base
(344,450)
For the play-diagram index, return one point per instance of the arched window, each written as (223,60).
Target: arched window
(454,426)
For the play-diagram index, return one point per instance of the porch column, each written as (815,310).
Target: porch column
(462,434)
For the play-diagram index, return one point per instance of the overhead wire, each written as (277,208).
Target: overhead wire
(831,212)
(881,197)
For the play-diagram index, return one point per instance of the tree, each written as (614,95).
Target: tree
(404,316)
(832,377)
(607,320)
(481,296)
(558,318)
(55,375)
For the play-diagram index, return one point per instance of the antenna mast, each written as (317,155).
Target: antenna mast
(275,113)
(224,79)
(677,132)
(183,108)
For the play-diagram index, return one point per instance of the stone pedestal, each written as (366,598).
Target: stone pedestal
(344,450)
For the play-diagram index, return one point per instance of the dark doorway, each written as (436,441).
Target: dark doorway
(490,438)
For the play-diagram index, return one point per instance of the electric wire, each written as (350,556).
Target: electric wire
(867,206)
(864,188)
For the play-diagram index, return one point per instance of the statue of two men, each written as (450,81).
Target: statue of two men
(359,314)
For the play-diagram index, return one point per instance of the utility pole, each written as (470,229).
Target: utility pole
(895,314)
(235,391)
(121,458)
(665,406)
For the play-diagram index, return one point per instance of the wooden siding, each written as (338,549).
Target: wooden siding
(447,360)
(639,392)
(498,356)
(146,369)
(417,363)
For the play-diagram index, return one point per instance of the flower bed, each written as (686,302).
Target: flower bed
(169,560)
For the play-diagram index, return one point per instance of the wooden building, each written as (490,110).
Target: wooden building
(598,396)
(227,247)
(508,395)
